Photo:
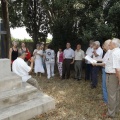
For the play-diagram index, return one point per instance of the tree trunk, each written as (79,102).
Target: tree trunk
(5,16)
(35,32)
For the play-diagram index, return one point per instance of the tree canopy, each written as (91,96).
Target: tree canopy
(76,21)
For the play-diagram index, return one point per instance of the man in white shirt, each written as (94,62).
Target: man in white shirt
(112,69)
(104,61)
(97,55)
(79,56)
(68,60)
(88,70)
(21,68)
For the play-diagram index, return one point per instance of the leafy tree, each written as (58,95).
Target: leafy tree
(32,15)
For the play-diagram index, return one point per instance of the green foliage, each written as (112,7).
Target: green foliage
(32,15)
(76,21)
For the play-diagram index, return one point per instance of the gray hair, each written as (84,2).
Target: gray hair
(91,41)
(21,52)
(97,43)
(107,41)
(116,41)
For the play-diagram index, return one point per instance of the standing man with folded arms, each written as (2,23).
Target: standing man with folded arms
(112,69)
(68,60)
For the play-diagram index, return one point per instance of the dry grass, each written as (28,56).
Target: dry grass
(75,100)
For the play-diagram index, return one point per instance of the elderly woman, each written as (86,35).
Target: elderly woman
(38,56)
(13,52)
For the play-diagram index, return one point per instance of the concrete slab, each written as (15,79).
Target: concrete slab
(10,81)
(27,110)
(16,96)
(5,68)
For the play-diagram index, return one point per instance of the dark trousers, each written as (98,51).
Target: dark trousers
(88,72)
(95,70)
(66,68)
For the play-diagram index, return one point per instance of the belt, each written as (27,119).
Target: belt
(110,73)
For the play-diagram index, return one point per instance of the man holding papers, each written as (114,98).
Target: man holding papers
(97,55)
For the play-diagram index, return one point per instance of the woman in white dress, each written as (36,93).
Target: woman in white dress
(38,56)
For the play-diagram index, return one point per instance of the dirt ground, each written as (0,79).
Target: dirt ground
(75,100)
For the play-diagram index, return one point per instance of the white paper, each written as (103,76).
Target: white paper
(91,60)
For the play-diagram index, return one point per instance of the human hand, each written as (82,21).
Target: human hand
(94,64)
(72,62)
(31,60)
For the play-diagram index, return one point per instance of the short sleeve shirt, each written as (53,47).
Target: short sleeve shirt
(49,56)
(79,55)
(21,68)
(116,58)
(69,53)
(99,51)
(109,63)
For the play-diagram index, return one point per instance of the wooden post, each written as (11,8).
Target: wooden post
(5,17)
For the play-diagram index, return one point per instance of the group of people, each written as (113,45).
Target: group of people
(107,57)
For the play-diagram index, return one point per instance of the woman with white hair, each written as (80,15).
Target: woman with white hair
(13,52)
(38,56)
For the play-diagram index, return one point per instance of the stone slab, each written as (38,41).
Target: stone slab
(10,82)
(5,68)
(16,96)
(27,110)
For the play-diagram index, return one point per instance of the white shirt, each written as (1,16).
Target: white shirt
(106,56)
(89,52)
(49,56)
(99,51)
(21,68)
(116,58)
(68,53)
(109,64)
(79,55)
(39,52)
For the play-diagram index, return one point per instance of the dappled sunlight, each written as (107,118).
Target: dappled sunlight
(75,100)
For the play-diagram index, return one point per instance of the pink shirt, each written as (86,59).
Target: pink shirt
(60,56)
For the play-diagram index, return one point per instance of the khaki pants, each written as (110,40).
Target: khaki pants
(33,82)
(112,83)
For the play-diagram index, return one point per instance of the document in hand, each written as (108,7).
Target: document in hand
(91,60)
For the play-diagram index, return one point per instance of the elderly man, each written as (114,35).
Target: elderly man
(112,69)
(68,60)
(88,64)
(79,56)
(21,68)
(104,61)
(97,55)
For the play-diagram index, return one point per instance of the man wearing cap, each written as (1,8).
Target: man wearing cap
(97,55)
(21,68)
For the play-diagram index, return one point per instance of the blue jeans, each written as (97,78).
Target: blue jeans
(104,88)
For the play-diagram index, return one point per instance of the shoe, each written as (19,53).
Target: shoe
(79,79)
(93,87)
(105,115)
(62,78)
